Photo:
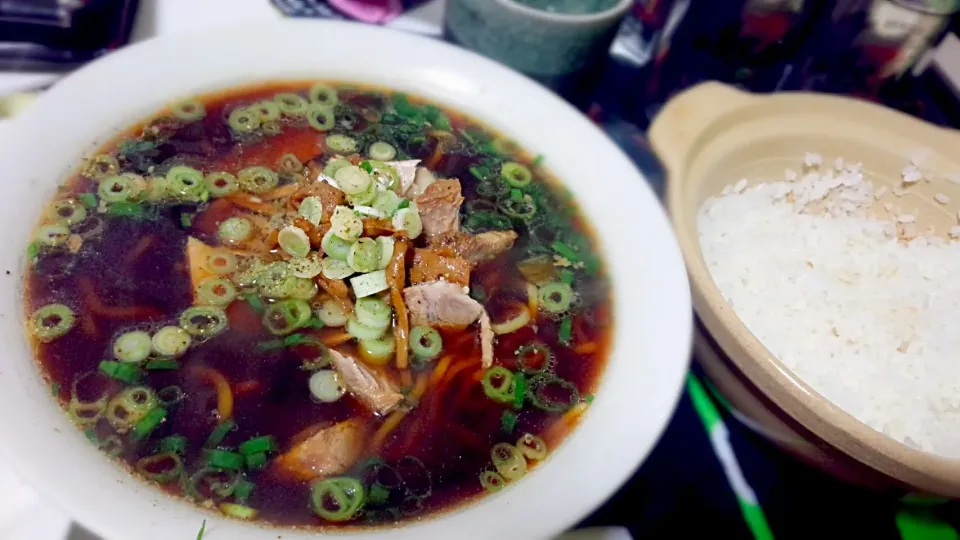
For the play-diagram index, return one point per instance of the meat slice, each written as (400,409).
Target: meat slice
(421,182)
(475,248)
(407,170)
(433,265)
(328,451)
(369,385)
(445,304)
(439,207)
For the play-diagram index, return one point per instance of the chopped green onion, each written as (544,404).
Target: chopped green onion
(508,461)
(556,296)
(68,211)
(171,395)
(378,351)
(518,208)
(325,386)
(307,267)
(353,180)
(52,321)
(284,317)
(186,183)
(256,445)
(520,390)
(255,302)
(341,144)
(243,490)
(118,189)
(274,280)
(515,174)
(425,342)
(321,94)
(361,331)
(189,110)
(33,250)
(267,110)
(315,323)
(171,341)
(337,499)
(320,117)
(516,194)
(217,291)
(405,203)
(203,321)
(311,208)
(224,459)
(243,120)
(203,527)
(174,443)
(565,333)
(335,164)
(294,241)
(127,209)
(534,358)
(379,494)
(128,373)
(151,421)
(588,399)
(101,166)
(186,220)
(364,255)
(369,284)
(518,321)
(345,223)
(382,151)
(565,251)
(335,268)
(219,433)
(238,511)
(532,447)
(332,312)
(130,406)
(498,384)
(235,230)
(566,276)
(88,199)
(161,468)
(538,160)
(291,104)
(373,312)
(52,235)
(335,247)
(492,482)
(365,165)
(220,184)
(256,461)
(257,179)
(408,219)
(161,364)
(508,421)
(543,391)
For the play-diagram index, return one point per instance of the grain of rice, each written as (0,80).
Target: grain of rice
(941,198)
(861,309)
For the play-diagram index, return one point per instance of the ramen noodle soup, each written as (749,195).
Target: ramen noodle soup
(314,304)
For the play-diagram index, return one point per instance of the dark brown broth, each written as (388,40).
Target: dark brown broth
(450,431)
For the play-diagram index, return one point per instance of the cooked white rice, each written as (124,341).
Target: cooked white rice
(862,313)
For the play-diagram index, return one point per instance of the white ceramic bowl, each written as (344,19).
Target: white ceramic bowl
(652,303)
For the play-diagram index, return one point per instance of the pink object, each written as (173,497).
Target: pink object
(370,11)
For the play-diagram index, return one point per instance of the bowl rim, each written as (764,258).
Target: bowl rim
(916,468)
(656,306)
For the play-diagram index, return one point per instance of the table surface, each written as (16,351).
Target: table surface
(682,491)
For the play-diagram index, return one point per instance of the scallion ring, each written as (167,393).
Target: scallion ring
(189,110)
(532,447)
(341,144)
(498,384)
(492,189)
(332,312)
(222,262)
(323,95)
(101,166)
(235,230)
(52,321)
(515,175)
(257,179)
(425,342)
(508,461)
(171,341)
(382,151)
(203,321)
(221,183)
(284,317)
(378,351)
(555,296)
(307,267)
(217,291)
(243,120)
(534,358)
(335,247)
(67,212)
(86,414)
(132,347)
(186,183)
(170,395)
(320,117)
(162,468)
(543,391)
(518,321)
(291,104)
(275,280)
(522,209)
(337,499)
(212,483)
(492,482)
(271,128)
(289,164)
(325,386)
(52,235)
(334,165)
(364,255)
(303,288)
(116,189)
(130,406)
(266,110)
(294,241)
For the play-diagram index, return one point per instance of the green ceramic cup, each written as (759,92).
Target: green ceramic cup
(546,39)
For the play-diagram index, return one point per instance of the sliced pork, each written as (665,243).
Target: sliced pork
(329,451)
(475,248)
(439,207)
(433,265)
(369,385)
(446,304)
